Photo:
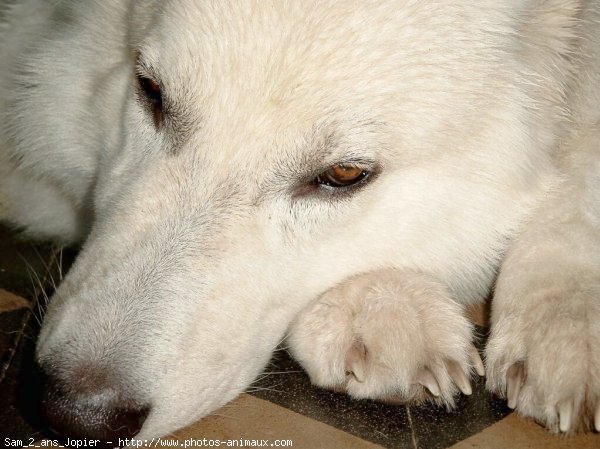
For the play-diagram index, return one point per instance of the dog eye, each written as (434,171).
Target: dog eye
(342,175)
(152,93)
(151,90)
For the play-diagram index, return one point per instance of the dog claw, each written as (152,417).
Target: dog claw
(460,378)
(565,413)
(476,361)
(597,418)
(514,380)
(355,361)
(427,379)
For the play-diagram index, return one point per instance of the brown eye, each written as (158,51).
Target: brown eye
(342,175)
(153,94)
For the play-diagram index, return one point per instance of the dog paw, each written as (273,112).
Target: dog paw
(389,335)
(544,356)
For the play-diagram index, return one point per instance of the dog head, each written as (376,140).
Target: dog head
(253,155)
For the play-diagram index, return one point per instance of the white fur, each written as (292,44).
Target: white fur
(482,116)
(406,321)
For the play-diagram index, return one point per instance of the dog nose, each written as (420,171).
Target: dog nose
(83,405)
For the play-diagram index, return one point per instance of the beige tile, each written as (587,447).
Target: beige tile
(252,418)
(9,301)
(515,432)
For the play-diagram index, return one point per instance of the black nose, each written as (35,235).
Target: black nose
(83,404)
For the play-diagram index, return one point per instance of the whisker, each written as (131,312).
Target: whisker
(46,266)
(32,271)
(60,264)
(34,296)
(257,389)
(268,373)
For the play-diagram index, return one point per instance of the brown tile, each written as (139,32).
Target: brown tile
(9,301)
(249,417)
(520,433)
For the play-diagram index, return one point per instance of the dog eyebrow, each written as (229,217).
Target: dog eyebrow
(335,143)
(300,164)
(144,67)
(322,147)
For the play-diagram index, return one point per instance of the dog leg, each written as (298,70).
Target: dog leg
(389,335)
(544,349)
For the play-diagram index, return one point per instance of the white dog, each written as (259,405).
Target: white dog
(351,173)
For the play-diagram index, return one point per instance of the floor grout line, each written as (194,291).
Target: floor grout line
(415,440)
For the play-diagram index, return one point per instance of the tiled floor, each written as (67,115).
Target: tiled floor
(282,405)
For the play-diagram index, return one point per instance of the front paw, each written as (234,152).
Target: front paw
(388,335)
(544,355)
